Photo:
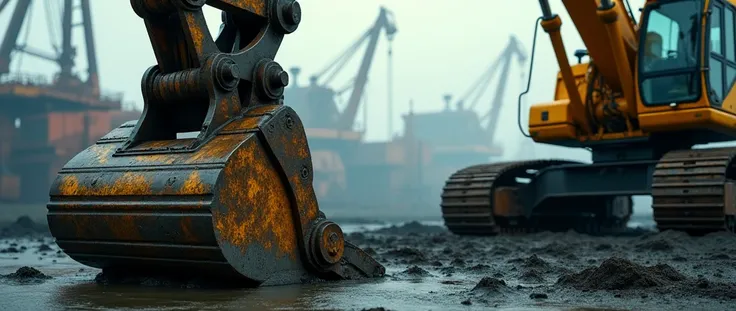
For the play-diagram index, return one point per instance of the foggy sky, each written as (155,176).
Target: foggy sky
(441,47)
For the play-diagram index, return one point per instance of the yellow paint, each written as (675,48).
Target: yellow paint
(611,39)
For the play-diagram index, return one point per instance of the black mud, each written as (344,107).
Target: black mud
(26,275)
(639,270)
(647,268)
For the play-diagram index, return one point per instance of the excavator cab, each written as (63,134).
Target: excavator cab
(679,86)
(668,59)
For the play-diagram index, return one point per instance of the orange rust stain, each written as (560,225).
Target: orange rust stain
(263,109)
(156,158)
(195,32)
(102,152)
(216,150)
(129,183)
(124,227)
(193,185)
(255,6)
(120,227)
(223,108)
(245,123)
(186,233)
(300,144)
(258,210)
(307,200)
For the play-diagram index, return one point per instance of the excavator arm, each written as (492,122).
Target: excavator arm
(236,203)
(609,35)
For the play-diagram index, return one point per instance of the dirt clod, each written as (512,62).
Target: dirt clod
(27,275)
(617,273)
(490,284)
(416,271)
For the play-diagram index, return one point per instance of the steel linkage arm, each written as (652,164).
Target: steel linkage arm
(199,82)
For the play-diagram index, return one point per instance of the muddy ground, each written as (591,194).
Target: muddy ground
(428,269)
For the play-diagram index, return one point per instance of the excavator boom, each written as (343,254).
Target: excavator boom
(236,203)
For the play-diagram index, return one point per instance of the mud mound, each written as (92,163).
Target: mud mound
(415,271)
(410,227)
(556,249)
(617,273)
(534,261)
(489,284)
(27,275)
(655,245)
(532,276)
(22,227)
(663,241)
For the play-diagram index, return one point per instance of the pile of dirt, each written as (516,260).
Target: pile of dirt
(416,271)
(411,227)
(489,284)
(619,274)
(24,226)
(663,242)
(27,275)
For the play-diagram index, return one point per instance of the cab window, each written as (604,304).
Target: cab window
(669,58)
(722,60)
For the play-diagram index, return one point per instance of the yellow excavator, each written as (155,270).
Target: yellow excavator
(648,94)
(235,202)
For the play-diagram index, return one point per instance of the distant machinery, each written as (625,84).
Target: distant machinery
(333,139)
(458,136)
(43,123)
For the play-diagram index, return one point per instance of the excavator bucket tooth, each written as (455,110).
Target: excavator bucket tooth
(236,202)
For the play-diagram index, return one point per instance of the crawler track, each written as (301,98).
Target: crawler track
(467,208)
(689,190)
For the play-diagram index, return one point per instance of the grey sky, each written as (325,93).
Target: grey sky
(441,46)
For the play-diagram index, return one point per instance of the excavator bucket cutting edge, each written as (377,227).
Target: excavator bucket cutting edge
(236,202)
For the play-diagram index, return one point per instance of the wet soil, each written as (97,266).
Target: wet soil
(427,269)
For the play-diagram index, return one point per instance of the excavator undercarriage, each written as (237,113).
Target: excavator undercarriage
(234,203)
(692,191)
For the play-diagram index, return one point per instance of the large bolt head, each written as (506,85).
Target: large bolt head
(293,13)
(279,78)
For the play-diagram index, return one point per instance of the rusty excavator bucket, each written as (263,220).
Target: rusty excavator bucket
(234,203)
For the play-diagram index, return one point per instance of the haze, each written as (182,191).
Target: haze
(441,47)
